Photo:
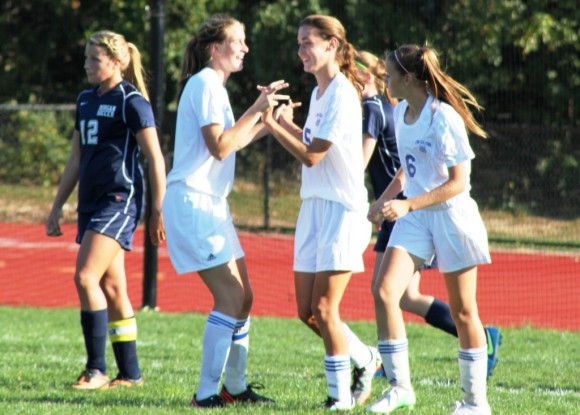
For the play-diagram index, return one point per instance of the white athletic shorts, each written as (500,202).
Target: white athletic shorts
(200,230)
(453,231)
(330,238)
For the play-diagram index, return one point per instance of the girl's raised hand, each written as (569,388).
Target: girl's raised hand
(268,95)
(268,117)
(284,113)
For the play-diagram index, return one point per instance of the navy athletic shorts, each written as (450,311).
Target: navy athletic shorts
(112,221)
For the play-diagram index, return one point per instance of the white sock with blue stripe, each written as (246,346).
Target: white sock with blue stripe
(217,339)
(395,355)
(337,370)
(473,373)
(235,376)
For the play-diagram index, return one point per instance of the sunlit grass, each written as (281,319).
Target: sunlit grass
(41,353)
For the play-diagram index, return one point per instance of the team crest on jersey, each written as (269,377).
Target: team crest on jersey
(422,145)
(107,111)
(318,116)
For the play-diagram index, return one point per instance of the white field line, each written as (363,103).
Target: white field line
(514,391)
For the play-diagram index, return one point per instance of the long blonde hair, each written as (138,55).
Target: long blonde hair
(329,27)
(378,69)
(423,63)
(128,55)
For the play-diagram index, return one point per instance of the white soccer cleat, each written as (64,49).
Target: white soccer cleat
(394,398)
(334,405)
(362,378)
(463,408)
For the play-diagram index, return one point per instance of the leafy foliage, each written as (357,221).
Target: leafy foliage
(32,150)
(521,58)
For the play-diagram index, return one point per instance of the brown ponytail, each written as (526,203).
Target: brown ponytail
(197,52)
(423,63)
(329,27)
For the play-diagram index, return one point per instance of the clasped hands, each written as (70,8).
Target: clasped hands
(390,210)
(272,110)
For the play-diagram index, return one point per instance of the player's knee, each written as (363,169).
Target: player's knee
(110,289)
(237,300)
(376,292)
(386,297)
(305,315)
(85,280)
(230,300)
(464,316)
(408,300)
(405,303)
(248,302)
(324,312)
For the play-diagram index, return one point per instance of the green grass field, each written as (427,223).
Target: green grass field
(41,353)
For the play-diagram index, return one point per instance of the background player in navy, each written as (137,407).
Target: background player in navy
(382,162)
(114,121)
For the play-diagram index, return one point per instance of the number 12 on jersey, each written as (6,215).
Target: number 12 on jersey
(89,132)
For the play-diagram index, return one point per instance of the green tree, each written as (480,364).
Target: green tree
(521,58)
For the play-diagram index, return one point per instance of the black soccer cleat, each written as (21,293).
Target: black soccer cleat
(249,395)
(213,401)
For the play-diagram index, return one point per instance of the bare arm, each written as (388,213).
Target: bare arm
(149,144)
(259,131)
(396,186)
(396,209)
(369,144)
(284,114)
(221,143)
(68,182)
(309,155)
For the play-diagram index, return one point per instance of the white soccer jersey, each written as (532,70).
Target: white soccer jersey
(436,141)
(204,101)
(339,176)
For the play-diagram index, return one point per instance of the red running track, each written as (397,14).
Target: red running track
(517,289)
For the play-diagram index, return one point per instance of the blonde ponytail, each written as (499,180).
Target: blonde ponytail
(135,73)
(127,54)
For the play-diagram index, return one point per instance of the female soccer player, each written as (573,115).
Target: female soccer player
(438,217)
(114,122)
(331,231)
(200,233)
(381,158)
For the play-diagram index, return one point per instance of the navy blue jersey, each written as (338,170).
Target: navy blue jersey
(109,167)
(378,122)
